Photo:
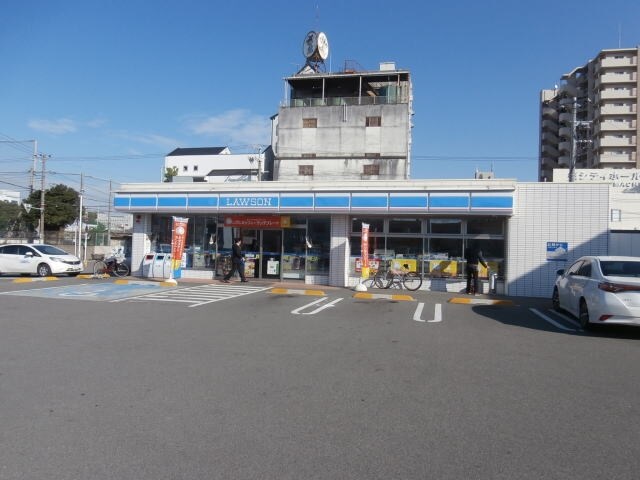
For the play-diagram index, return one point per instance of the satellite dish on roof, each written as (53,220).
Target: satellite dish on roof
(315,48)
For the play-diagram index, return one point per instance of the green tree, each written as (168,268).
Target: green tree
(169,173)
(92,217)
(61,207)
(9,215)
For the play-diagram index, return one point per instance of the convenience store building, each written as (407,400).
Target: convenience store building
(310,232)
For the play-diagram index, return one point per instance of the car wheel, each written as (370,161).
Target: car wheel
(555,300)
(584,315)
(44,270)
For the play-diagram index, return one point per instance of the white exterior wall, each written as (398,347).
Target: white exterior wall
(207,163)
(624,243)
(624,193)
(553,212)
(140,241)
(339,264)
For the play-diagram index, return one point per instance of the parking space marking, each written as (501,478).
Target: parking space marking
(198,295)
(437,314)
(298,311)
(564,317)
(551,321)
(89,291)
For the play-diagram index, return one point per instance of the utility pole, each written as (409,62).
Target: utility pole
(109,218)
(574,143)
(43,158)
(33,166)
(79,241)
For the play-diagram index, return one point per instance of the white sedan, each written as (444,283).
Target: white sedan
(600,290)
(37,259)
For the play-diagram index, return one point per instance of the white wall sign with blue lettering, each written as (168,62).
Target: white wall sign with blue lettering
(557,250)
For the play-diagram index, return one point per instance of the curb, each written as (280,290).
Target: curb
(39,279)
(479,301)
(373,296)
(288,291)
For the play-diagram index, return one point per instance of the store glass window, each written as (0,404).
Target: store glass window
(405,225)
(319,246)
(375,224)
(445,225)
(445,247)
(493,253)
(485,226)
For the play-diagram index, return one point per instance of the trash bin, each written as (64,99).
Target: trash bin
(493,282)
(147,265)
(156,265)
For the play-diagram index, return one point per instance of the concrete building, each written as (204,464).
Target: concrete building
(591,120)
(10,196)
(351,125)
(218,164)
(342,158)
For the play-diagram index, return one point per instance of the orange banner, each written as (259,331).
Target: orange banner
(364,247)
(178,240)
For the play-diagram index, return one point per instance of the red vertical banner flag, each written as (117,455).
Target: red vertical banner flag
(364,248)
(178,241)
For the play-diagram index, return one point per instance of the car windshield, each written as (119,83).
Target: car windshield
(49,250)
(620,268)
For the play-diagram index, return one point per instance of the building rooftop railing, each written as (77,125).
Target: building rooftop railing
(339,101)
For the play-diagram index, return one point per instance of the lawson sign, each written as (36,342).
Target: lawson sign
(237,201)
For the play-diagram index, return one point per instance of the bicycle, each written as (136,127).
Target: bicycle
(385,278)
(111,265)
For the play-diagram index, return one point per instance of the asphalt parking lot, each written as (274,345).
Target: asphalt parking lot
(113,378)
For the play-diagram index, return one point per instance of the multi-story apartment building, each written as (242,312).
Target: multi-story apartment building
(591,119)
(351,125)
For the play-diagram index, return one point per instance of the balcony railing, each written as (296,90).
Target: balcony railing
(339,101)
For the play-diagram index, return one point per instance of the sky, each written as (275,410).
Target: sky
(106,88)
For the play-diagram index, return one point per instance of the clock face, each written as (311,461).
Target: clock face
(310,44)
(323,46)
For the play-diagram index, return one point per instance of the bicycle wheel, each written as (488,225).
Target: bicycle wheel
(412,281)
(121,270)
(99,268)
(383,279)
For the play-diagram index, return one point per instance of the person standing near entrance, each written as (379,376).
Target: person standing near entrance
(473,256)
(237,262)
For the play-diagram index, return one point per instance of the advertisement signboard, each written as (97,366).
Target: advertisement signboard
(557,250)
(364,247)
(178,240)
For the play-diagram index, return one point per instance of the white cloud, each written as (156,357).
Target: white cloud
(55,127)
(150,139)
(233,127)
(97,122)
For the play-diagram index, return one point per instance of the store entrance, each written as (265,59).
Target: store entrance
(263,253)
(271,255)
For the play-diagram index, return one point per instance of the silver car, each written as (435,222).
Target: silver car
(37,259)
(600,290)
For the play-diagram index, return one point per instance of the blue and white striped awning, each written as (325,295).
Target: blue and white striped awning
(495,202)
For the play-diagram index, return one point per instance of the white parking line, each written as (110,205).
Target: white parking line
(551,321)
(564,317)
(298,311)
(199,295)
(437,314)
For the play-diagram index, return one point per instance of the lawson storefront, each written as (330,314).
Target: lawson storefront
(311,232)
